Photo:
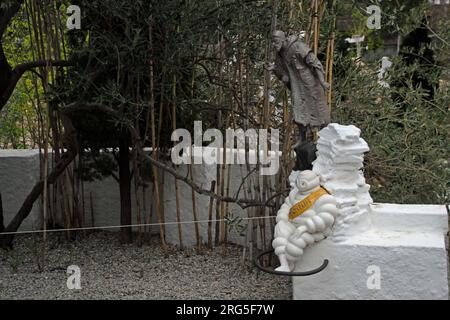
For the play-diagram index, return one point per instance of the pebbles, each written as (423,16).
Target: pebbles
(110,270)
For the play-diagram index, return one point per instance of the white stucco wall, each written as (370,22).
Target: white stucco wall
(20,171)
(406,243)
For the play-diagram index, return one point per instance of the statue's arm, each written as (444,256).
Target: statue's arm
(280,72)
(282,75)
(314,63)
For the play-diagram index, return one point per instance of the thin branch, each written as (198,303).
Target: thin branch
(243,203)
(19,70)
(22,68)
(243,181)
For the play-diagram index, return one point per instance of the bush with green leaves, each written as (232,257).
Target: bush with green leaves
(406,130)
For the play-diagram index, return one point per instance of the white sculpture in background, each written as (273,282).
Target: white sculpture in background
(306,217)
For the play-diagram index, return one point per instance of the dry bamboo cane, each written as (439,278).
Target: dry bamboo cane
(157,197)
(41,52)
(191,173)
(162,194)
(194,203)
(59,55)
(225,237)
(218,227)
(150,215)
(316,27)
(262,222)
(144,211)
(45,191)
(261,184)
(226,171)
(211,203)
(291,11)
(154,151)
(83,203)
(330,54)
(136,194)
(321,10)
(330,73)
(158,140)
(161,107)
(48,48)
(310,24)
(224,155)
(54,121)
(327,63)
(136,175)
(244,104)
(237,79)
(91,202)
(177,191)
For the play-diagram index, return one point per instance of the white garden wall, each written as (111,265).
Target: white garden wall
(19,171)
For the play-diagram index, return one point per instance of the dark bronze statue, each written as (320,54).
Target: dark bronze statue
(298,68)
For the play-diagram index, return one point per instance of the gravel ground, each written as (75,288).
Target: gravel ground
(110,270)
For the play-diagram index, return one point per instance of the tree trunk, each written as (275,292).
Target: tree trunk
(7,13)
(5,71)
(125,190)
(24,211)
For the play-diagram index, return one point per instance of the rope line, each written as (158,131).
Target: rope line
(129,225)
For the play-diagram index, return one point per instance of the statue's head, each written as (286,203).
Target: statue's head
(278,39)
(307,181)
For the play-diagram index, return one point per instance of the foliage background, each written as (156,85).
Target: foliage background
(410,150)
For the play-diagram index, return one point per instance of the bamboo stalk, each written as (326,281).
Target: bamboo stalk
(92,210)
(194,205)
(219,178)
(191,171)
(37,23)
(330,70)
(154,151)
(316,26)
(211,203)
(218,216)
(310,24)
(150,216)
(136,179)
(330,53)
(177,191)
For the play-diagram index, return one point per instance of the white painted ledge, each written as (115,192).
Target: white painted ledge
(429,218)
(407,243)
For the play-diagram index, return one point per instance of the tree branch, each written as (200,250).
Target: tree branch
(243,203)
(16,74)
(7,14)
(60,167)
(22,68)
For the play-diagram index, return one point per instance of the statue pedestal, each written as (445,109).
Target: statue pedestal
(376,251)
(406,243)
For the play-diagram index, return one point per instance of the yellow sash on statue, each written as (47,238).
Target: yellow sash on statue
(300,207)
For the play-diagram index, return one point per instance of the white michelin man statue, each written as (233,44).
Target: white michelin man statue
(306,217)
